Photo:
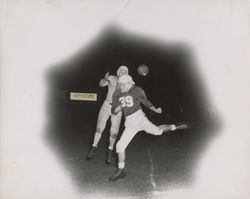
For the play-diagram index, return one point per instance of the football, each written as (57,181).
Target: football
(143,70)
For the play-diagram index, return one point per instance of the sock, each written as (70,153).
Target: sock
(121,165)
(173,127)
(110,148)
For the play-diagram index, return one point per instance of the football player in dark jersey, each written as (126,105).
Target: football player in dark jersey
(128,98)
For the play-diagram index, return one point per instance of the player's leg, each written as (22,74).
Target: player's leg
(120,172)
(121,146)
(103,116)
(149,127)
(115,125)
(182,125)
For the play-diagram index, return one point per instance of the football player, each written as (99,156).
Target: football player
(105,113)
(128,99)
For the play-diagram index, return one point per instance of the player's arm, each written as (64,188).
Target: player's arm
(116,106)
(117,109)
(143,99)
(104,81)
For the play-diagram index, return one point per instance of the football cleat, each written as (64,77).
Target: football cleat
(91,153)
(119,174)
(182,125)
(173,127)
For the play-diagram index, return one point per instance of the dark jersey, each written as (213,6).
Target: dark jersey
(131,100)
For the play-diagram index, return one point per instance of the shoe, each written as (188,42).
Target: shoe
(174,127)
(183,125)
(109,156)
(91,153)
(119,174)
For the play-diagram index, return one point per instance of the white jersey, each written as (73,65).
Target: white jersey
(112,84)
(105,111)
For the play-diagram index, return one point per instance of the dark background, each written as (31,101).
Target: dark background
(173,83)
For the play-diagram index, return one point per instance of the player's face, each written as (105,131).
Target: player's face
(125,87)
(122,72)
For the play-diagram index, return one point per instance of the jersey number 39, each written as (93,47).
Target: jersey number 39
(126,101)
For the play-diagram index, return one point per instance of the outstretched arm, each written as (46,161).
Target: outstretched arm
(157,110)
(143,99)
(104,81)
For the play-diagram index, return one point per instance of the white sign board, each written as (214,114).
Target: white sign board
(83,96)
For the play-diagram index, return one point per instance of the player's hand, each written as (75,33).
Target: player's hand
(117,109)
(106,76)
(158,110)
(103,83)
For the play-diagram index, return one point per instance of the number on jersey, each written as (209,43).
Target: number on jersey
(126,101)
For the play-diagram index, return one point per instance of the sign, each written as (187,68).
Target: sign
(83,96)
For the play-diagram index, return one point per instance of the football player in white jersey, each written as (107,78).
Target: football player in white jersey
(128,98)
(105,113)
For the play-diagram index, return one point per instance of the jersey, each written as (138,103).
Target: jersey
(112,85)
(131,100)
